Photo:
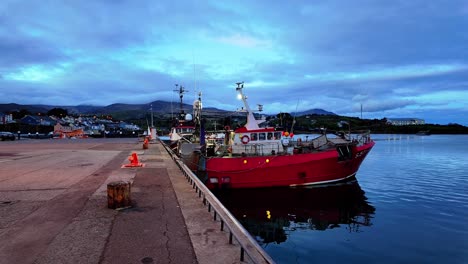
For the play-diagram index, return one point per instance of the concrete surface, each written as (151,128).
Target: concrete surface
(53,206)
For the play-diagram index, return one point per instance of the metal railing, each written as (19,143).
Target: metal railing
(248,245)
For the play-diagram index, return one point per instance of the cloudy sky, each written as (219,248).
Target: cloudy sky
(396,58)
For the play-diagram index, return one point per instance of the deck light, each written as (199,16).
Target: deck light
(226,180)
(213,180)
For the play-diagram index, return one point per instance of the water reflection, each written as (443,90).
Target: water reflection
(271,214)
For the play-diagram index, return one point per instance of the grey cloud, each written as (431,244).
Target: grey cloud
(15,52)
(385,105)
(94,40)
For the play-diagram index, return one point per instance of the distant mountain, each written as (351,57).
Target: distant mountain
(5,108)
(315,111)
(81,108)
(134,111)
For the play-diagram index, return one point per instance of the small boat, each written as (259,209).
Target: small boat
(254,156)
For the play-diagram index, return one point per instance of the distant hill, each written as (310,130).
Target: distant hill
(315,111)
(5,108)
(133,111)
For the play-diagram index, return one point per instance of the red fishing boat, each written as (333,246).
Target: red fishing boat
(254,156)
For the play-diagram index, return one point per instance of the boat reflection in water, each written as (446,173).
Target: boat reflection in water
(271,214)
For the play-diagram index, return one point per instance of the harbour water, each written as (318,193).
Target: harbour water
(408,204)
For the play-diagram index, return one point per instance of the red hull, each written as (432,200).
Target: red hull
(284,170)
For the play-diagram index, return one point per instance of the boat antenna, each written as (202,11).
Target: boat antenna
(361,110)
(197,108)
(151,109)
(200,125)
(181,92)
(172,99)
(194,72)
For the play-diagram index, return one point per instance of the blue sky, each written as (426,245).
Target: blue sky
(396,58)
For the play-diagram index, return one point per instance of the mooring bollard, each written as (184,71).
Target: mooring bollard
(118,195)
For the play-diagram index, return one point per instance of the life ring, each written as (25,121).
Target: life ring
(245,139)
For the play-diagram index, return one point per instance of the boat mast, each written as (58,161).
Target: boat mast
(294,119)
(361,110)
(197,109)
(251,122)
(172,110)
(199,132)
(151,109)
(181,92)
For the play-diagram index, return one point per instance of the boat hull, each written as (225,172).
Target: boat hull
(284,170)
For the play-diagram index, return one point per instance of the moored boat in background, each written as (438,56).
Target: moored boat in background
(423,133)
(185,138)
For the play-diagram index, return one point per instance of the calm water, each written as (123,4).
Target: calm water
(409,204)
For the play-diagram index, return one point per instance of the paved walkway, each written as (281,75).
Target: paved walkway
(53,207)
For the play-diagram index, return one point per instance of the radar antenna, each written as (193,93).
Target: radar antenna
(181,92)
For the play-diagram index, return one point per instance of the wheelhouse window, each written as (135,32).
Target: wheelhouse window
(269,136)
(277,135)
(253,136)
(261,136)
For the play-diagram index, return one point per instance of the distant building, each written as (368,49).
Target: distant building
(62,128)
(4,119)
(67,131)
(38,120)
(405,121)
(126,126)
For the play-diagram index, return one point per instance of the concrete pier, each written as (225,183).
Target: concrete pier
(53,206)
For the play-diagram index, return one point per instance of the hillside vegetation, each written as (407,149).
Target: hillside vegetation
(216,119)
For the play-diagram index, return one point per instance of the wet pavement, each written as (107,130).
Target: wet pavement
(53,206)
